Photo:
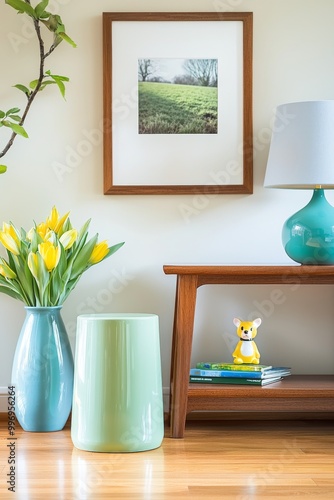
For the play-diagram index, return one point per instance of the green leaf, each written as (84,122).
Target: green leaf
(52,22)
(58,23)
(23,89)
(58,77)
(40,8)
(16,118)
(18,129)
(29,286)
(22,6)
(12,111)
(82,259)
(19,268)
(3,169)
(56,80)
(67,289)
(61,87)
(113,249)
(67,39)
(2,114)
(45,83)
(33,84)
(83,231)
(8,291)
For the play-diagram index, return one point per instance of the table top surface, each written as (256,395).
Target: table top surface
(274,270)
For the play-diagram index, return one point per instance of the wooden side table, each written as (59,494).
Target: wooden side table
(296,393)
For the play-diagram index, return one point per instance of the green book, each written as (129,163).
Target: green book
(233,380)
(233,366)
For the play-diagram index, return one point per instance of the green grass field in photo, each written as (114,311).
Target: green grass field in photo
(177,109)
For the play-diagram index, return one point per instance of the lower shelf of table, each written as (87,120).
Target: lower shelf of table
(294,393)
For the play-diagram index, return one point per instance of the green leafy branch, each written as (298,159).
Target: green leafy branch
(40,16)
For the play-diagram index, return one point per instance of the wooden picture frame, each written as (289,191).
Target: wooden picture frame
(177,163)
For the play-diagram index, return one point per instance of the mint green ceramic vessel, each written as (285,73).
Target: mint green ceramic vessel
(117,398)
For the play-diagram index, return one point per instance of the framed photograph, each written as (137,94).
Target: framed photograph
(177,103)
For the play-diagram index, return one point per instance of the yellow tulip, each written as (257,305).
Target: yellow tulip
(45,263)
(68,238)
(55,222)
(50,254)
(33,264)
(10,239)
(99,252)
(50,236)
(6,271)
(30,234)
(42,230)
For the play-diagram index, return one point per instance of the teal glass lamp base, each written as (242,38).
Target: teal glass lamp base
(308,235)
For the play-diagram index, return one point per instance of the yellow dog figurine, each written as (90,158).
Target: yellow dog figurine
(246,350)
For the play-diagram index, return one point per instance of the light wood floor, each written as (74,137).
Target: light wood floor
(216,460)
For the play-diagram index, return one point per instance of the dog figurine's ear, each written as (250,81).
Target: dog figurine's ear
(257,322)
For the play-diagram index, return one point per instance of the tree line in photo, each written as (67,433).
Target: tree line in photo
(199,72)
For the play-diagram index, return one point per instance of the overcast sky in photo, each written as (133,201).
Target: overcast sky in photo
(169,68)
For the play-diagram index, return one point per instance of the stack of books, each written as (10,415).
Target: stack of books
(230,373)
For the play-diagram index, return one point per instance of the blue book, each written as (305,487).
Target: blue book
(279,371)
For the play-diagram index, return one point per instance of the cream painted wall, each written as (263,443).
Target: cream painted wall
(293,60)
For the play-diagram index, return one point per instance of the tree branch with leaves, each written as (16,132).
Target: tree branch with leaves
(40,18)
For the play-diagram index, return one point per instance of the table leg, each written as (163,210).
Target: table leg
(185,302)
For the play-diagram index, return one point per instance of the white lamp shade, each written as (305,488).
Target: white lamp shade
(301,154)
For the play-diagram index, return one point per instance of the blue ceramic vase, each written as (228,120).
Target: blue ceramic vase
(42,371)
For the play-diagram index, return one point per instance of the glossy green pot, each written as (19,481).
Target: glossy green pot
(117,398)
